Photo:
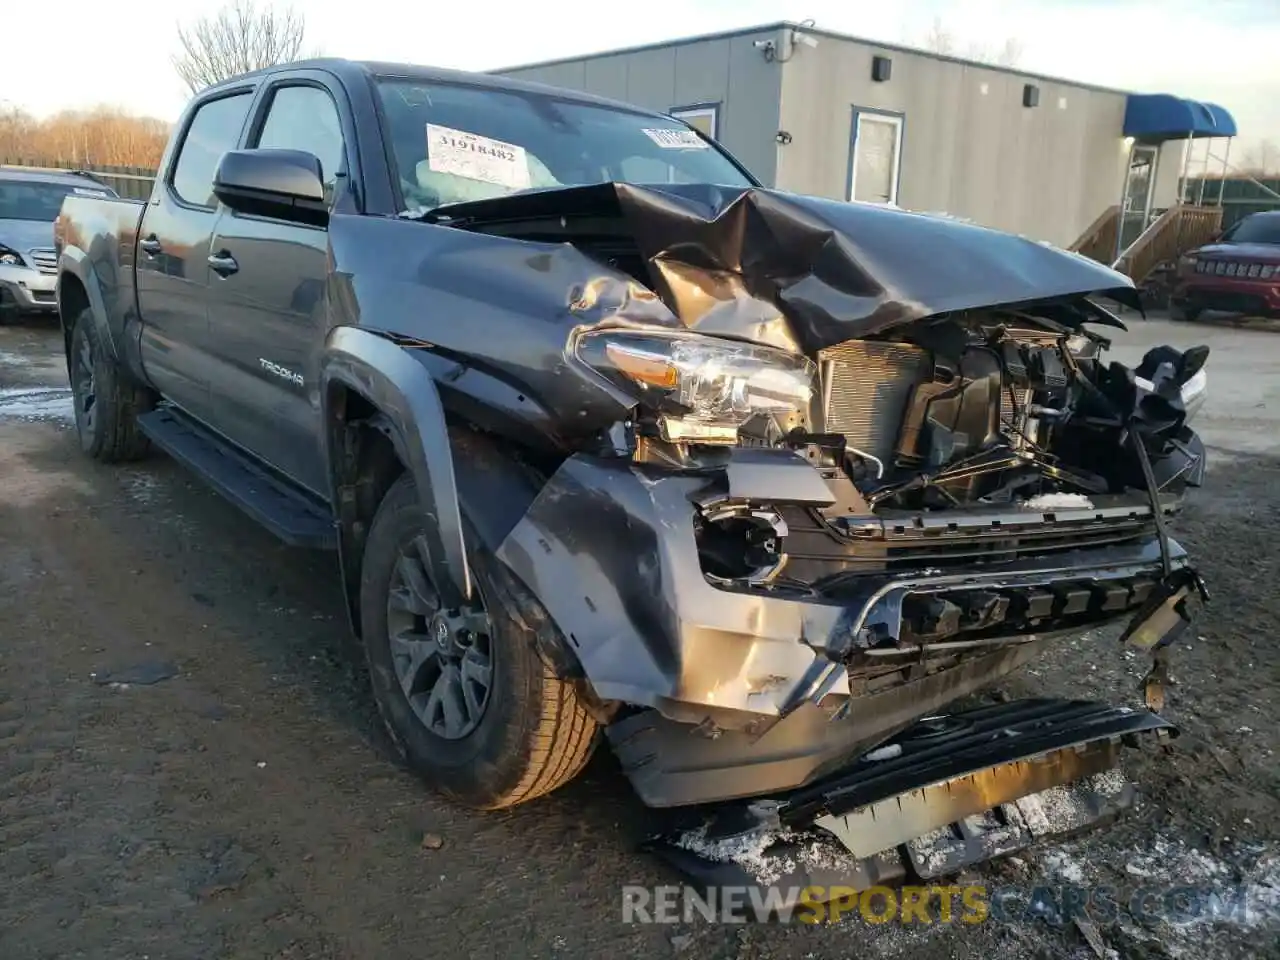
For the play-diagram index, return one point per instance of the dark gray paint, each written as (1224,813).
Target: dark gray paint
(404,392)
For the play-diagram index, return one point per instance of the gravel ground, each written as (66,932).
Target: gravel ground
(246,804)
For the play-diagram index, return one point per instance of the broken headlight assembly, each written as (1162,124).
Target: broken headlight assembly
(702,389)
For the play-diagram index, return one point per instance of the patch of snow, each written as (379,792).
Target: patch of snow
(1060,863)
(933,847)
(884,753)
(751,851)
(37,403)
(141,487)
(746,850)
(1233,895)
(1058,501)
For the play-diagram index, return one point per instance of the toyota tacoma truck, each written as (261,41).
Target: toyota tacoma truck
(615,445)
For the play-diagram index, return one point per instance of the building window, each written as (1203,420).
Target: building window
(704,117)
(875,156)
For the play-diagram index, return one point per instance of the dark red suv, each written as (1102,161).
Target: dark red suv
(1238,272)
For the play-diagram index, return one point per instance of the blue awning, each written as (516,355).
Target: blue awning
(1161,116)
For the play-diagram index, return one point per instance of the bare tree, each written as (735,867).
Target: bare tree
(241,37)
(1261,160)
(101,136)
(941,40)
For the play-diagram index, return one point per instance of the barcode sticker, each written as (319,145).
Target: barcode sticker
(475,157)
(677,139)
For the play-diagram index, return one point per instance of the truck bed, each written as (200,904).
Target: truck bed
(108,230)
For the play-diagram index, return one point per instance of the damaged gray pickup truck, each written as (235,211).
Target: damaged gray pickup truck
(614,444)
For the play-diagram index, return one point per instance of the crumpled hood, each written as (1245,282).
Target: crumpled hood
(729,259)
(24,235)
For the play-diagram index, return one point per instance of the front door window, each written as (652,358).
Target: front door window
(877,149)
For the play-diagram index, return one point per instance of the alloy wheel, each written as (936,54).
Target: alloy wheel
(84,387)
(443,659)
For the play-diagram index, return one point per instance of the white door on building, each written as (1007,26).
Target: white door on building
(877,155)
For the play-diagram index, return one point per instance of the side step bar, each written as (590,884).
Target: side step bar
(288,513)
(947,793)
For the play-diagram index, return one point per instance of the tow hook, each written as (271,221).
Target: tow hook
(1163,620)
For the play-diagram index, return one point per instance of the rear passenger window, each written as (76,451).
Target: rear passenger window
(305,118)
(214,130)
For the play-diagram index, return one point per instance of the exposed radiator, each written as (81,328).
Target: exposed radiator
(867,386)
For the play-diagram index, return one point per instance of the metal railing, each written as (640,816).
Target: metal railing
(1181,228)
(1098,242)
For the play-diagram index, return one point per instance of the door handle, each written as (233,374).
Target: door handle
(223,264)
(150,245)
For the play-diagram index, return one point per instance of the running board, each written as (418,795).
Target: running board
(288,513)
(947,793)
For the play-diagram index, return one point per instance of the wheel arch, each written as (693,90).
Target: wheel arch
(77,290)
(383,416)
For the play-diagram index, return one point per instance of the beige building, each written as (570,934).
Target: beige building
(815,112)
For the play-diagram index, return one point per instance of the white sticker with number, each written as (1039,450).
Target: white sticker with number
(475,157)
(677,139)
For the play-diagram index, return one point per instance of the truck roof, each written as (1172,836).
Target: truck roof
(363,69)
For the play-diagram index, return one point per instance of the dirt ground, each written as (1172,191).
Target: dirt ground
(247,805)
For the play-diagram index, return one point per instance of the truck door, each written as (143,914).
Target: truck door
(173,252)
(268,308)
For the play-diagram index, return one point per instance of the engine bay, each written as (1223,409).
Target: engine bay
(995,408)
(979,437)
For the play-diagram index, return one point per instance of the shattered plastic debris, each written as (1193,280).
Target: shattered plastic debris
(1058,501)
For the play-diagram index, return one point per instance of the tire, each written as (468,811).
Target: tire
(1180,312)
(107,403)
(532,734)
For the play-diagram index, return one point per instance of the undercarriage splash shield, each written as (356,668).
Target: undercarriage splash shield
(948,793)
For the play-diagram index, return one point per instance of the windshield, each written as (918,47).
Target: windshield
(1256,230)
(454,143)
(36,200)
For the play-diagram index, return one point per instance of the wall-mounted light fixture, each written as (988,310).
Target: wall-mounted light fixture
(1030,95)
(881,69)
(782,137)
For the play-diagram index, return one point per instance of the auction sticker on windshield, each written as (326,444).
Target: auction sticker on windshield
(676,139)
(475,157)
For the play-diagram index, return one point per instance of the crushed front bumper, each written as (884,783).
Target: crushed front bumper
(745,692)
(947,793)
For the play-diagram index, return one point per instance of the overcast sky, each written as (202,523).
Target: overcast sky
(76,53)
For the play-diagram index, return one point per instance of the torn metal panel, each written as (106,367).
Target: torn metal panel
(949,792)
(803,272)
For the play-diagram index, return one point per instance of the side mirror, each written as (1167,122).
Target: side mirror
(287,184)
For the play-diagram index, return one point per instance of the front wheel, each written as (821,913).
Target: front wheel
(465,696)
(107,402)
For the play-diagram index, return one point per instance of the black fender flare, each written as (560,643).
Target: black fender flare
(74,261)
(404,392)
